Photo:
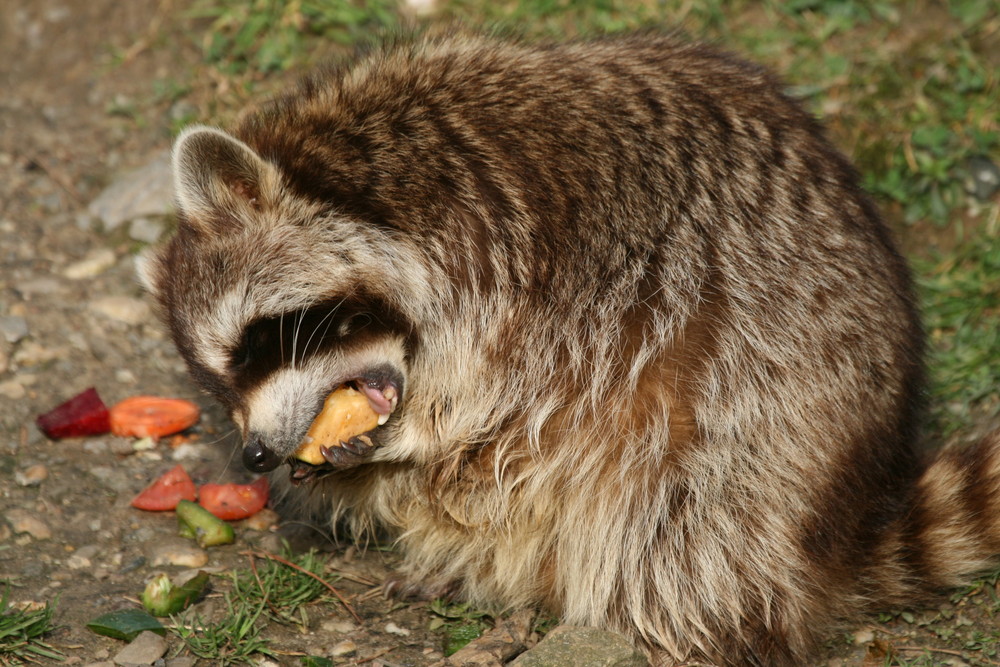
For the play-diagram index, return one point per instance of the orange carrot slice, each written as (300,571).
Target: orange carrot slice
(152,416)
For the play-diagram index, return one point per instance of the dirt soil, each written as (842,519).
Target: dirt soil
(80,105)
(82,102)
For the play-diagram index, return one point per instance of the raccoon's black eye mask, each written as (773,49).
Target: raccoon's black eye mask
(289,339)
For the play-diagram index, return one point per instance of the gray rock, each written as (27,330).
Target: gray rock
(83,557)
(182,661)
(95,263)
(337,625)
(113,479)
(13,390)
(32,354)
(33,475)
(13,328)
(176,552)
(984,177)
(38,287)
(497,646)
(147,191)
(344,648)
(571,646)
(23,521)
(146,230)
(122,309)
(143,651)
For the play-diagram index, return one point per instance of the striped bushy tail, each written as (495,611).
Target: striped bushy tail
(952,531)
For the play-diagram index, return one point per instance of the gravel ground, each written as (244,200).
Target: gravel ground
(72,316)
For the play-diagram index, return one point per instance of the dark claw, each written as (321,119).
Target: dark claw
(354,452)
(361,444)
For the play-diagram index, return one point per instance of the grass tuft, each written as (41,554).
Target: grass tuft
(21,632)
(267,591)
(233,640)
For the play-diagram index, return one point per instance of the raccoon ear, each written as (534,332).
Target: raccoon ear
(220,183)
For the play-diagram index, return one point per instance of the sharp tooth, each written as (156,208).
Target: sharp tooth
(390,393)
(383,419)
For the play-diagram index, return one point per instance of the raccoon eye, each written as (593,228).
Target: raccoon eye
(256,338)
(353,324)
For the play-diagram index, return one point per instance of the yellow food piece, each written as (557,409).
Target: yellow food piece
(345,414)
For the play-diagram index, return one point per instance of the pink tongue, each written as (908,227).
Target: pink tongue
(378,401)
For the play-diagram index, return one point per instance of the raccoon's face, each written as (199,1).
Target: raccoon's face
(274,302)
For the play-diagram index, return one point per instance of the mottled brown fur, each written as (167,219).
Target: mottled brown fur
(661,363)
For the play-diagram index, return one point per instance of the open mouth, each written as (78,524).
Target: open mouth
(344,433)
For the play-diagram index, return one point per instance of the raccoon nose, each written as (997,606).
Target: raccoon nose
(257,457)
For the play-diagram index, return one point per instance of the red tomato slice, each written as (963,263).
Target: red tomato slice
(164,494)
(234,501)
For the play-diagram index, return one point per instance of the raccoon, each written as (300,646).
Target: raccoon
(654,361)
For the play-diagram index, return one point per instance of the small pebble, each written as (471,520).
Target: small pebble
(394,629)
(338,625)
(145,230)
(32,475)
(98,447)
(346,647)
(985,177)
(262,520)
(78,562)
(94,264)
(177,553)
(125,376)
(13,328)
(122,309)
(144,444)
(39,286)
(32,354)
(23,522)
(13,390)
(864,636)
(119,446)
(188,451)
(182,661)
(145,649)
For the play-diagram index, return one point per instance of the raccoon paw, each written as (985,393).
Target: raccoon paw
(353,452)
(402,587)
